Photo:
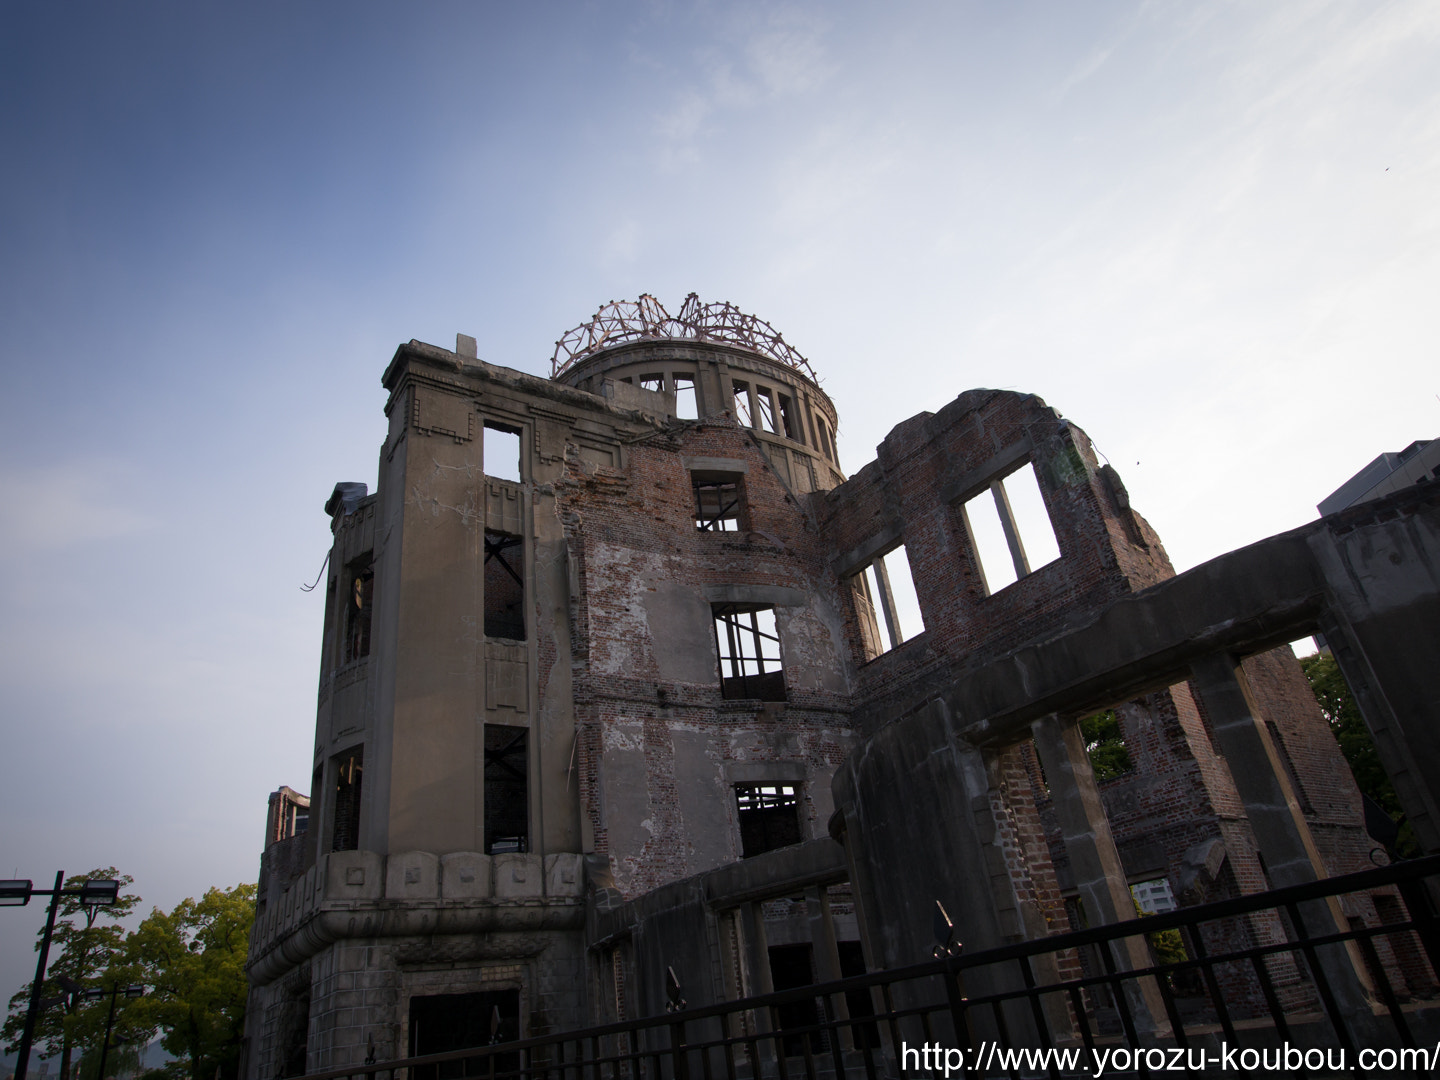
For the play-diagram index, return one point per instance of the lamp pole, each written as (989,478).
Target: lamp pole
(17,894)
(114,992)
(22,1063)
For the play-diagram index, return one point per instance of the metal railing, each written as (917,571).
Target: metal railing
(1271,981)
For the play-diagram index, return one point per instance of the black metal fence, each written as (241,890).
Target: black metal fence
(1240,978)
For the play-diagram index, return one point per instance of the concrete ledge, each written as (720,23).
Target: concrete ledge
(354,875)
(518,876)
(465,875)
(412,875)
(564,875)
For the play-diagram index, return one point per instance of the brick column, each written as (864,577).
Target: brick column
(1099,875)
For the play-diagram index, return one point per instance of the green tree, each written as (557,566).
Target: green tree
(1105,744)
(193,958)
(1339,709)
(85,944)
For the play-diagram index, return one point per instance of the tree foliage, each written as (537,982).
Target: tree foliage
(191,961)
(1340,711)
(85,945)
(194,960)
(1105,743)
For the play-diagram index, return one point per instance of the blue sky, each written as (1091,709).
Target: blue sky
(1207,234)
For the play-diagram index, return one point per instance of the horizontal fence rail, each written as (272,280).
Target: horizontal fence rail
(1250,972)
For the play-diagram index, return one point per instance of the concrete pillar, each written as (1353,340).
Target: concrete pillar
(826,951)
(1099,875)
(1281,831)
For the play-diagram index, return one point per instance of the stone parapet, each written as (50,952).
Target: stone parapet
(364,894)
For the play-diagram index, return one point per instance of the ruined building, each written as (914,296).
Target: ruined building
(614,680)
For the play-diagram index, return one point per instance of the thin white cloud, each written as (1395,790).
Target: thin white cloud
(66,505)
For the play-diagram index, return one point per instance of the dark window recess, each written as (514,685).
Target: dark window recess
(717,505)
(769,818)
(350,768)
(294,1029)
(765,403)
(507,786)
(865,1033)
(504,586)
(789,420)
(440,1023)
(359,600)
(791,967)
(655,383)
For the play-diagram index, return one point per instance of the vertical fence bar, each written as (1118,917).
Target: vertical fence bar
(1317,973)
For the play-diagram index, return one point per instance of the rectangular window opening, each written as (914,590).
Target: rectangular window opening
(765,402)
(359,600)
(717,503)
(823,433)
(1105,746)
(686,406)
(742,404)
(349,768)
(507,787)
(441,1023)
(789,419)
(748,644)
(504,586)
(501,451)
(894,607)
(653,382)
(1010,529)
(769,817)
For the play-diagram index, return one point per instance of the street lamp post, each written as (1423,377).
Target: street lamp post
(114,992)
(97,893)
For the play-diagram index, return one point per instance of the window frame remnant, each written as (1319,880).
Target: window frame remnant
(741,643)
(719,498)
(1019,558)
(653,383)
(744,411)
(766,410)
(871,583)
(687,397)
(502,619)
(768,816)
(345,814)
(507,789)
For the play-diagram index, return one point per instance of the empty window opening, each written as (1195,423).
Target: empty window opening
(686,407)
(742,404)
(504,586)
(349,768)
(1010,529)
(769,817)
(789,420)
(885,599)
(791,967)
(823,434)
(507,787)
(717,504)
(749,649)
(765,401)
(502,452)
(440,1023)
(653,382)
(1105,745)
(359,599)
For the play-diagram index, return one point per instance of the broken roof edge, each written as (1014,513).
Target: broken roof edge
(435,356)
